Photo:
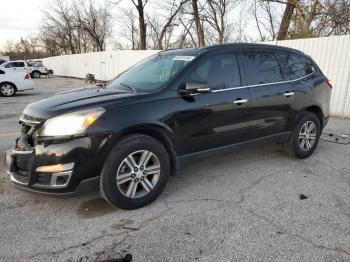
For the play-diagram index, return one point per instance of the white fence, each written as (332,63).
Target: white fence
(104,65)
(332,54)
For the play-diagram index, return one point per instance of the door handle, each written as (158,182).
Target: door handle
(240,101)
(288,94)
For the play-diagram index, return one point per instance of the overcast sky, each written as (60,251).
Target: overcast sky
(19,18)
(22,17)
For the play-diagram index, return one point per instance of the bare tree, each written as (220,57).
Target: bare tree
(197,21)
(174,7)
(286,19)
(128,29)
(140,7)
(70,27)
(216,16)
(95,21)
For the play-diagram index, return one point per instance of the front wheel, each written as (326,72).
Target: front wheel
(305,137)
(135,172)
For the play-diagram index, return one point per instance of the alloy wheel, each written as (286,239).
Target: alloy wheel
(307,135)
(7,90)
(138,174)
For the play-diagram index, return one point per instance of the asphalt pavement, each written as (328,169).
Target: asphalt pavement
(244,206)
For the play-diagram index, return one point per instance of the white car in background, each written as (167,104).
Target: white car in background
(34,67)
(12,82)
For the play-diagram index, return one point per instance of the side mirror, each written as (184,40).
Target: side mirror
(195,88)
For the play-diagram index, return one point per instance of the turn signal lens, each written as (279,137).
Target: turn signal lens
(26,76)
(55,168)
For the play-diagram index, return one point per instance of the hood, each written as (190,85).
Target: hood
(74,100)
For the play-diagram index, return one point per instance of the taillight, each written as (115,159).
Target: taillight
(26,76)
(329,82)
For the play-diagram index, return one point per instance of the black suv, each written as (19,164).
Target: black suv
(128,135)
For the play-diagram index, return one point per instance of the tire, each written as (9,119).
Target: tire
(35,74)
(7,89)
(295,145)
(119,162)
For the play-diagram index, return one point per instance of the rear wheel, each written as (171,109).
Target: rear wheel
(36,74)
(305,137)
(135,172)
(7,89)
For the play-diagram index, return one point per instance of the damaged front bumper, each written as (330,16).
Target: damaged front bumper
(65,167)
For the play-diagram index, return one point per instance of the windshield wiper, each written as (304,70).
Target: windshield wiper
(103,85)
(133,89)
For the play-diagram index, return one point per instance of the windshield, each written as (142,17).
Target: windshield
(151,73)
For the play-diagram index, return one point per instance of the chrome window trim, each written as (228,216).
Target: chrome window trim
(265,84)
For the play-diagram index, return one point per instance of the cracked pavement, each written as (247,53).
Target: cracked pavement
(243,206)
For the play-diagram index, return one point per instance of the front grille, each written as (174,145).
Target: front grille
(21,177)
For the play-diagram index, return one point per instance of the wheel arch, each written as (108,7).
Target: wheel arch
(317,111)
(159,133)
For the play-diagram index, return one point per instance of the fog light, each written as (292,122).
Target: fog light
(55,168)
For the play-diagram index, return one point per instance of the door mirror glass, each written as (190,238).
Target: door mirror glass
(195,88)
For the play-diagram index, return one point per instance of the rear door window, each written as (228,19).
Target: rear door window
(19,64)
(295,66)
(261,68)
(218,72)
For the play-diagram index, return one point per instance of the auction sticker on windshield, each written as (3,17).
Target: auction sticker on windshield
(184,58)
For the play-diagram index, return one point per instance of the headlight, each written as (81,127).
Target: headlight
(72,123)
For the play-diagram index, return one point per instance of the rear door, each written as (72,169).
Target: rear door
(271,94)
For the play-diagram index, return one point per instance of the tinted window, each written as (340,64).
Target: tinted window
(295,66)
(218,72)
(262,68)
(9,65)
(2,72)
(18,64)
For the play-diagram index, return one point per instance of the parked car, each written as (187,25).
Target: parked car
(34,69)
(12,82)
(127,136)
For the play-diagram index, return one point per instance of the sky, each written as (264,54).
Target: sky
(19,18)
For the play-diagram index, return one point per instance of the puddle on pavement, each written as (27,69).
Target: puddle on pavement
(95,208)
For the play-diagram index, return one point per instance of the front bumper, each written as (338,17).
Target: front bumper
(82,158)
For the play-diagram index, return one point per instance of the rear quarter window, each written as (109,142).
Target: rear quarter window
(2,72)
(262,68)
(295,66)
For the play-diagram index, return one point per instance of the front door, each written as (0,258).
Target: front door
(216,119)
